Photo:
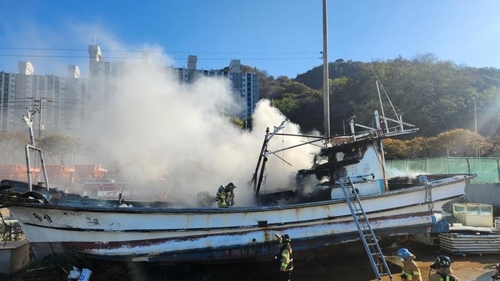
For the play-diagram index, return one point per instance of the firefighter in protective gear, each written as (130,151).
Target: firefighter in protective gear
(220,197)
(442,265)
(410,268)
(230,194)
(285,256)
(497,272)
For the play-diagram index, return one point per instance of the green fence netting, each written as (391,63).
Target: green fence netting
(487,169)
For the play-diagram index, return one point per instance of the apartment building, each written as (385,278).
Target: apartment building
(61,98)
(69,103)
(245,85)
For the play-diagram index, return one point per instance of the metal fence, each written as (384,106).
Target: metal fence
(487,169)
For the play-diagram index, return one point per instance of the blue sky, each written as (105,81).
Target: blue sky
(282,37)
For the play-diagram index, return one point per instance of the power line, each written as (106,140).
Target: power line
(163,58)
(266,55)
(168,52)
(39,49)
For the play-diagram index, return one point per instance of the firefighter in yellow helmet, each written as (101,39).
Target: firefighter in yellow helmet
(220,197)
(410,268)
(285,256)
(442,265)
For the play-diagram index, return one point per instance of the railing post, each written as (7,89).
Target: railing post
(498,168)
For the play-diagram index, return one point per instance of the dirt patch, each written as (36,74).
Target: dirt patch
(340,266)
(466,268)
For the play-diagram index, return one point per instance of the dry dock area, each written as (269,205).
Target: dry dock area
(340,267)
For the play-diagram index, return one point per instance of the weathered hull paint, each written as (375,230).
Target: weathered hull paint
(241,244)
(159,234)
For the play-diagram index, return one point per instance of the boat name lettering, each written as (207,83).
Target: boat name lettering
(41,218)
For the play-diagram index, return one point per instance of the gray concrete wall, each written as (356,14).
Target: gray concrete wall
(486,194)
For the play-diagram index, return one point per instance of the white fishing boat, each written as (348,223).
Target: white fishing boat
(313,210)
(315,216)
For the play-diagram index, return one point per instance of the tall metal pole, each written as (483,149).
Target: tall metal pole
(475,116)
(40,120)
(41,101)
(326,90)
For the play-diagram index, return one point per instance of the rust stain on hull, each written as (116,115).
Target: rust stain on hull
(114,250)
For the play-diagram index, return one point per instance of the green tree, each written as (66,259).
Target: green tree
(58,146)
(406,149)
(459,142)
(395,149)
(269,88)
(436,96)
(495,146)
(12,144)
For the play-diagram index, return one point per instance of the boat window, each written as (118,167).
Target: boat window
(486,210)
(473,210)
(459,209)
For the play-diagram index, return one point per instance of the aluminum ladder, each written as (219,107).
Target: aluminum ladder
(365,230)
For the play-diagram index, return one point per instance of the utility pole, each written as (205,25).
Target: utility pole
(40,101)
(475,116)
(478,150)
(40,120)
(326,83)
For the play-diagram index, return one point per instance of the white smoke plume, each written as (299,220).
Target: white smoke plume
(151,125)
(158,126)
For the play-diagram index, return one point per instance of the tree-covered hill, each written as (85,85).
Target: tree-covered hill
(436,96)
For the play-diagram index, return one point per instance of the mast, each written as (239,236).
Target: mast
(326,90)
(28,119)
(264,153)
(261,155)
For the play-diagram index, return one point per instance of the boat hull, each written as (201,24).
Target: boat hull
(200,234)
(238,245)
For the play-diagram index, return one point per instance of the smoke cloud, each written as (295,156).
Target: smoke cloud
(157,126)
(153,126)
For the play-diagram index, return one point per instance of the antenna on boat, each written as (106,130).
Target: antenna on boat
(264,153)
(28,119)
(382,108)
(399,118)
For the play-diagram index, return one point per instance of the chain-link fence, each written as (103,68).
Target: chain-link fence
(487,169)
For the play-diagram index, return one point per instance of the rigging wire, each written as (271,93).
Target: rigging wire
(283,146)
(386,95)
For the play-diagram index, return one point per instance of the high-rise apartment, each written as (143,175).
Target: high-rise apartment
(60,99)
(69,104)
(245,85)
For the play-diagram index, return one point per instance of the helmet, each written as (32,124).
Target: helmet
(221,188)
(442,262)
(286,238)
(230,185)
(404,253)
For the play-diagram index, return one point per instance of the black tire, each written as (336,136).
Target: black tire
(35,195)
